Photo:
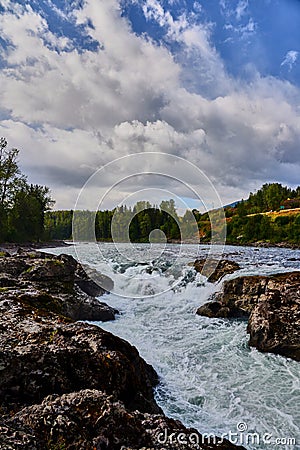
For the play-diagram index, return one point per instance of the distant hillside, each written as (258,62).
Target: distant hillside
(271,215)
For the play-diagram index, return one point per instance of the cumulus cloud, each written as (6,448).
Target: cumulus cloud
(201,68)
(72,110)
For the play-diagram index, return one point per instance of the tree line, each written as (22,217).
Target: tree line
(245,222)
(22,205)
(25,215)
(119,224)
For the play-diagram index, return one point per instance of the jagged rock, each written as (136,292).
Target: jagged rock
(43,354)
(70,385)
(215,269)
(7,280)
(91,281)
(90,419)
(274,324)
(60,269)
(213,309)
(272,304)
(54,283)
(12,265)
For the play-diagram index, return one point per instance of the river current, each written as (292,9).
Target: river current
(210,378)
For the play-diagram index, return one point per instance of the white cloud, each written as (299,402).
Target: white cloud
(241,9)
(72,111)
(290,59)
(202,69)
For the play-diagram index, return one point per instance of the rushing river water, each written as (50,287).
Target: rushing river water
(210,379)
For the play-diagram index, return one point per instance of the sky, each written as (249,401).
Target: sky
(217,83)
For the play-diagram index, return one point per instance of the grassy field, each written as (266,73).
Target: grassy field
(274,214)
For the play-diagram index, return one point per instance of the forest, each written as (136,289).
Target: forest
(268,215)
(112,225)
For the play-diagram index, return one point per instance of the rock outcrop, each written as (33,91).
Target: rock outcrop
(215,269)
(43,353)
(90,419)
(56,283)
(272,305)
(71,385)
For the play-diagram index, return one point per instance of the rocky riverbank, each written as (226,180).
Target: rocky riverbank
(54,283)
(70,385)
(272,306)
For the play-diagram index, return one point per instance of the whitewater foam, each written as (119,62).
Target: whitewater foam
(210,378)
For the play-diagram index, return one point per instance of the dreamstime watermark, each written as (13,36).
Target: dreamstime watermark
(146,179)
(241,436)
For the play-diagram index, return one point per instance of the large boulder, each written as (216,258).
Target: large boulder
(272,305)
(91,281)
(215,269)
(42,353)
(214,309)
(54,283)
(274,324)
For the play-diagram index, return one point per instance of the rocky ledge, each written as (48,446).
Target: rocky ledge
(55,283)
(272,306)
(215,269)
(71,385)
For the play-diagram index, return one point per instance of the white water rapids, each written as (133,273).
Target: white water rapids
(210,378)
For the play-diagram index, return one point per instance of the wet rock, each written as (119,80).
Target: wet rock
(43,354)
(48,270)
(53,283)
(13,266)
(274,324)
(215,269)
(213,309)
(91,281)
(272,305)
(59,420)
(7,280)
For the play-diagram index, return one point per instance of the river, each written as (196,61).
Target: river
(210,378)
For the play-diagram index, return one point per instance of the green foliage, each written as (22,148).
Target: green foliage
(245,221)
(269,198)
(139,221)
(22,206)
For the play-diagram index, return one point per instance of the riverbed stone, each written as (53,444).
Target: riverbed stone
(215,269)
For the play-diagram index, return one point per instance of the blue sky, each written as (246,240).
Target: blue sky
(244,33)
(217,83)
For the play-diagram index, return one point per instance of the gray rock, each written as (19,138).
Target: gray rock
(54,283)
(42,353)
(90,419)
(215,269)
(70,385)
(91,281)
(213,309)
